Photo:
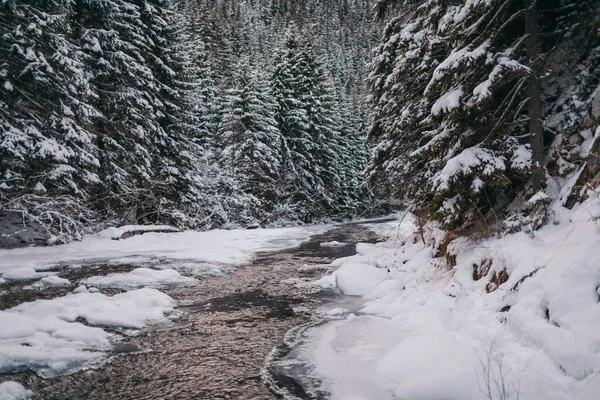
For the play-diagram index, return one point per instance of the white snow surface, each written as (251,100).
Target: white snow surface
(20,274)
(137,278)
(447,102)
(14,391)
(431,331)
(358,279)
(51,281)
(46,337)
(229,247)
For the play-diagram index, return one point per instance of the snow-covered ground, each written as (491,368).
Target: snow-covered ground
(67,333)
(229,247)
(429,330)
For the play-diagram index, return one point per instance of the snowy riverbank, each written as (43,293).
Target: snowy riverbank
(516,316)
(76,329)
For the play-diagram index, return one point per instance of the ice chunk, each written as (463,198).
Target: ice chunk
(139,278)
(20,274)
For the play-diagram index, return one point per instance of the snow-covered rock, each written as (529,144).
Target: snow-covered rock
(51,281)
(55,281)
(355,279)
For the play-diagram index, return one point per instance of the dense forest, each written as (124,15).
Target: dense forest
(486,111)
(197,114)
(203,114)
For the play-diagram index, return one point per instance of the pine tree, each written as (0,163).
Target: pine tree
(298,145)
(251,138)
(174,191)
(48,158)
(112,37)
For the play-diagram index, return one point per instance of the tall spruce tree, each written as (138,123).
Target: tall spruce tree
(112,36)
(48,156)
(298,146)
(251,138)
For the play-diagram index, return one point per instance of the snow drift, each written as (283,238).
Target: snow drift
(452,329)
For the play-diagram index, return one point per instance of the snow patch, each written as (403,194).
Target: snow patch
(47,282)
(20,274)
(448,102)
(14,391)
(44,336)
(333,243)
(137,278)
(217,247)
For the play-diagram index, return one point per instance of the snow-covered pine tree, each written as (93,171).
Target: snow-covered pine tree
(317,93)
(171,56)
(456,106)
(308,124)
(353,158)
(209,23)
(252,141)
(48,156)
(113,38)
(298,144)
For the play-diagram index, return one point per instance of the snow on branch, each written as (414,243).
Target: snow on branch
(484,161)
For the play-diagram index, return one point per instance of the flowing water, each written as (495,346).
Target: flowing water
(227,337)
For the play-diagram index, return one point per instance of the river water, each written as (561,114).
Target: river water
(227,341)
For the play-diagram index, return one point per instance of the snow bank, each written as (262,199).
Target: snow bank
(137,278)
(46,336)
(224,247)
(433,331)
(14,391)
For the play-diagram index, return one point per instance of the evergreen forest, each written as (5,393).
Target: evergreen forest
(202,114)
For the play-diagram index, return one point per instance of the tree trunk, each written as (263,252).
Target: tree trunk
(536,128)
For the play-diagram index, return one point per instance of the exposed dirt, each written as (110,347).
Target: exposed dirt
(217,348)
